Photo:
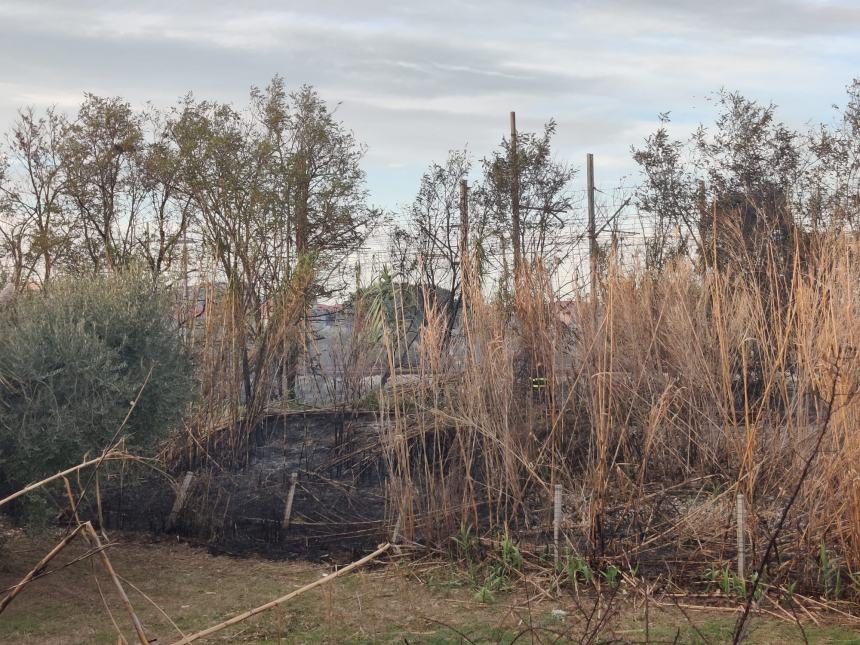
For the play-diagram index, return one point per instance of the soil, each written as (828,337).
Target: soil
(389,602)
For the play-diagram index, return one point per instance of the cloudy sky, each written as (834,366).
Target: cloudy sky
(415,79)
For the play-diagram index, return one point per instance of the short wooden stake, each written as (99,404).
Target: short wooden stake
(99,507)
(395,533)
(288,509)
(556,524)
(741,521)
(180,500)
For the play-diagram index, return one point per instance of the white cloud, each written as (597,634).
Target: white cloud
(418,78)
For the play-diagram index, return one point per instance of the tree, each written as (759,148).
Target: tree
(734,189)
(317,179)
(71,361)
(668,195)
(167,209)
(429,243)
(36,232)
(272,188)
(544,194)
(831,181)
(102,151)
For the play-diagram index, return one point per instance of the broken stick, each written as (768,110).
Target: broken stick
(62,544)
(138,627)
(274,603)
(68,471)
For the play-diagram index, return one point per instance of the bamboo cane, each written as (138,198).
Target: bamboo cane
(274,603)
(68,471)
(138,627)
(41,565)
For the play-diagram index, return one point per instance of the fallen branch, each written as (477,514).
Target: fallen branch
(62,544)
(90,534)
(31,487)
(283,599)
(135,621)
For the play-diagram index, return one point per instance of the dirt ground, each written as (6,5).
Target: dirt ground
(386,603)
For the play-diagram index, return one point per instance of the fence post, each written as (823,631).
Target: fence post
(180,500)
(516,235)
(395,533)
(556,524)
(288,509)
(592,226)
(741,522)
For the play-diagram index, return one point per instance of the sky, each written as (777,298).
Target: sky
(416,79)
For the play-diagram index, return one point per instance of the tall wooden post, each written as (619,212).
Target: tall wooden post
(515,198)
(592,228)
(465,261)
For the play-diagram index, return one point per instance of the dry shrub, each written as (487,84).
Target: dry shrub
(684,385)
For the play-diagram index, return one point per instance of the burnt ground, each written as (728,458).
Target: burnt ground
(338,508)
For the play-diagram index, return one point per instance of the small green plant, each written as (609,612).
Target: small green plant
(612,575)
(492,574)
(578,570)
(788,592)
(728,582)
(508,561)
(829,574)
(510,556)
(467,544)
(468,550)
(485,595)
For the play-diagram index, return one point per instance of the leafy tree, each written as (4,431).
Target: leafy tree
(429,242)
(544,194)
(102,152)
(36,232)
(72,360)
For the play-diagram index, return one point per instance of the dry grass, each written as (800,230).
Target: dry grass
(665,397)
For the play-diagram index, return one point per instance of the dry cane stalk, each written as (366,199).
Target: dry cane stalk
(68,471)
(39,567)
(283,599)
(138,628)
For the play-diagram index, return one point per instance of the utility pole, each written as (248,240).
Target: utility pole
(592,228)
(515,198)
(465,261)
(465,268)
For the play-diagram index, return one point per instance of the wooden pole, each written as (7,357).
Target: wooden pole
(465,260)
(180,500)
(138,627)
(288,509)
(516,233)
(395,533)
(592,227)
(283,599)
(464,224)
(38,568)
